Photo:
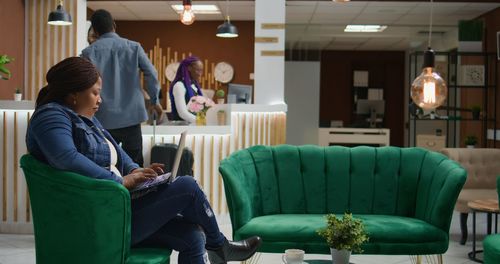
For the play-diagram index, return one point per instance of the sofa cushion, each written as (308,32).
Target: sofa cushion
(299,230)
(467,195)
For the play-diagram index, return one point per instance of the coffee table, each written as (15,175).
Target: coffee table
(489,206)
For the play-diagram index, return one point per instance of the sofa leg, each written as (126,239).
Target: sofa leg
(416,259)
(428,259)
(253,260)
(463,227)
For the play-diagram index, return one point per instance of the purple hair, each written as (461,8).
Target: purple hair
(184,76)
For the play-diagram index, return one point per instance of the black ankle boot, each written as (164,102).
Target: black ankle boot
(234,251)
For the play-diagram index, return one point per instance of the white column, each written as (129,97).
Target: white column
(269,71)
(81,24)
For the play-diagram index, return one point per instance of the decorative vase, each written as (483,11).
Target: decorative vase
(201,118)
(221,118)
(220,101)
(18,96)
(340,256)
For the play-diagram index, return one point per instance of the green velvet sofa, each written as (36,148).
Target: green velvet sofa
(405,196)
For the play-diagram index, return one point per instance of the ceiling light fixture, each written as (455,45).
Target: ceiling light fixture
(198,9)
(428,90)
(364,28)
(187,15)
(59,17)
(226,29)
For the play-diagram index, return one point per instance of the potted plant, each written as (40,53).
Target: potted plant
(470,141)
(220,96)
(343,235)
(476,110)
(4,72)
(18,96)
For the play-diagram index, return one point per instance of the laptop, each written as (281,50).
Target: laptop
(151,184)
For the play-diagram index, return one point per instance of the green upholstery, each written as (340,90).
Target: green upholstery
(491,243)
(405,196)
(78,219)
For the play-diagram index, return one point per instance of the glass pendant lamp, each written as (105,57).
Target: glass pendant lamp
(187,14)
(428,90)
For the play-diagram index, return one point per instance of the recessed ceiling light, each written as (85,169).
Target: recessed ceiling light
(364,28)
(198,9)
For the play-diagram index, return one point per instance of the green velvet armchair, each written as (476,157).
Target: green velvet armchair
(78,219)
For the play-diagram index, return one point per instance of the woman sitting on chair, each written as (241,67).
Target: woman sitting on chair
(64,133)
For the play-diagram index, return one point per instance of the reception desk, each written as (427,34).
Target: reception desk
(246,125)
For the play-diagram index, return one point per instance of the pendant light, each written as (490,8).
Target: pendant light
(187,14)
(226,29)
(429,90)
(59,17)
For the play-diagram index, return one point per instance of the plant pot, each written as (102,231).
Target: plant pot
(340,256)
(221,118)
(475,115)
(470,146)
(220,100)
(18,97)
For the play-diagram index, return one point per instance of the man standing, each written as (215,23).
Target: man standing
(119,60)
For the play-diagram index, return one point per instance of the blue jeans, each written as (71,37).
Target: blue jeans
(176,216)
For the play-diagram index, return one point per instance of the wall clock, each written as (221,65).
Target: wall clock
(473,75)
(171,70)
(223,72)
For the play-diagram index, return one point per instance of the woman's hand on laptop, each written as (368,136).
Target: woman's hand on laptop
(138,176)
(158,167)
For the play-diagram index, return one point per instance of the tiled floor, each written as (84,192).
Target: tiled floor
(19,249)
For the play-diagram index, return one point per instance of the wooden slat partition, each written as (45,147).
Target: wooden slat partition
(161,59)
(47,44)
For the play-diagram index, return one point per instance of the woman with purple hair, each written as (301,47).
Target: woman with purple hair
(184,86)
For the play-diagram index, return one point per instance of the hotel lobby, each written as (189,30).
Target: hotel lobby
(302,85)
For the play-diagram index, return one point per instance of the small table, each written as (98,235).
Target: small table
(489,206)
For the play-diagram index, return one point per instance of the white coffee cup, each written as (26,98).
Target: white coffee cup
(293,256)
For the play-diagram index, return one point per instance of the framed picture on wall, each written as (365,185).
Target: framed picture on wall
(472,75)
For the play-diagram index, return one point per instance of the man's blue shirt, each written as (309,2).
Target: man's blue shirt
(119,61)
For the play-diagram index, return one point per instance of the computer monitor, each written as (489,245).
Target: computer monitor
(371,108)
(239,93)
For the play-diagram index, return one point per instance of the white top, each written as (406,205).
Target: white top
(180,101)
(113,158)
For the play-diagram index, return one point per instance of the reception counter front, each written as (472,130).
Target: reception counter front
(246,125)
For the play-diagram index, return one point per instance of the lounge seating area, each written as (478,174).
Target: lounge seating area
(482,166)
(405,197)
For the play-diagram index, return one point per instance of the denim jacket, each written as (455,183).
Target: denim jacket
(65,140)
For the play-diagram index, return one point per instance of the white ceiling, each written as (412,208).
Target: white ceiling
(320,24)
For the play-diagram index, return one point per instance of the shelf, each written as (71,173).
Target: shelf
(470,86)
(461,119)
(471,80)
